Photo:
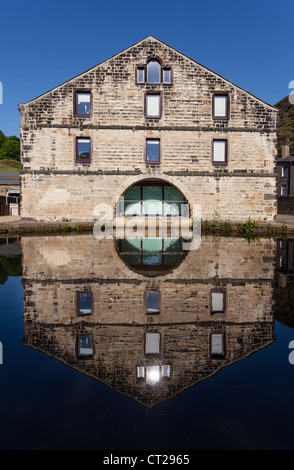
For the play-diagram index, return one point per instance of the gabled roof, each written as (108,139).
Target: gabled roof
(166,45)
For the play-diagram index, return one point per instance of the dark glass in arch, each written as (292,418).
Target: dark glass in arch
(153,256)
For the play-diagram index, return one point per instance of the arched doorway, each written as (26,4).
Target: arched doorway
(153,255)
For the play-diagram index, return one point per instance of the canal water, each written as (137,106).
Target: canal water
(142,344)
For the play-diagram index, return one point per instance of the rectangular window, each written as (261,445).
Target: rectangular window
(85,346)
(83,103)
(152,302)
(84,303)
(166,75)
(83,149)
(220,106)
(153,105)
(152,375)
(152,342)
(219,152)
(165,371)
(217,344)
(140,75)
(284,171)
(283,190)
(140,372)
(217,301)
(152,150)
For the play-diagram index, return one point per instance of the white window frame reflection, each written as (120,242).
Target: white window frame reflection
(152,343)
(153,373)
(217,306)
(217,344)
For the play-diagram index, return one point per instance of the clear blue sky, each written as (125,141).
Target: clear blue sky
(43,44)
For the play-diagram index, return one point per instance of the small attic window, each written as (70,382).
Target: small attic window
(166,75)
(153,71)
(83,103)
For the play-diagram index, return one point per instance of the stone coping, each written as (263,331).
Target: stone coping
(283,225)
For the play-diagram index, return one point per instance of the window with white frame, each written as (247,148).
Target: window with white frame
(153,105)
(220,106)
(219,151)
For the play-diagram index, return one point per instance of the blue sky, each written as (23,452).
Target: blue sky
(44,44)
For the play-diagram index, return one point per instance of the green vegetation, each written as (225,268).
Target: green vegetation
(285,123)
(9,165)
(9,148)
(249,229)
(9,266)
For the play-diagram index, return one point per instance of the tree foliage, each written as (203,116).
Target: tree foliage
(9,147)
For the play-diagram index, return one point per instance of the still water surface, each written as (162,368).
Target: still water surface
(137,344)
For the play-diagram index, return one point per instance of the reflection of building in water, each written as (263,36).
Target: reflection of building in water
(147,337)
(284,286)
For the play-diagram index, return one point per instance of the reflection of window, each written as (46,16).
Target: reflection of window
(283,190)
(84,303)
(217,344)
(282,262)
(152,150)
(83,104)
(284,171)
(220,106)
(153,373)
(153,71)
(152,302)
(153,107)
(83,149)
(85,346)
(219,151)
(152,343)
(217,301)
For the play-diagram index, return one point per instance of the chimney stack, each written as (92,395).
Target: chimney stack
(285,150)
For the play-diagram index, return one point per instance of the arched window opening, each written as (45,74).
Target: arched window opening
(153,71)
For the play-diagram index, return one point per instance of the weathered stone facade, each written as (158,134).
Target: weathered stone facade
(56,269)
(56,186)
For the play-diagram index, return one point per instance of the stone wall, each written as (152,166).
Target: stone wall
(55,186)
(56,268)
(119,350)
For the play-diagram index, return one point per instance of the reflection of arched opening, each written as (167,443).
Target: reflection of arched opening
(153,197)
(153,256)
(153,71)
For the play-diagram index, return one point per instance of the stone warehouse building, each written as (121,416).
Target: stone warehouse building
(156,127)
(147,336)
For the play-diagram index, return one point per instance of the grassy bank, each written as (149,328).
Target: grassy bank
(9,165)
